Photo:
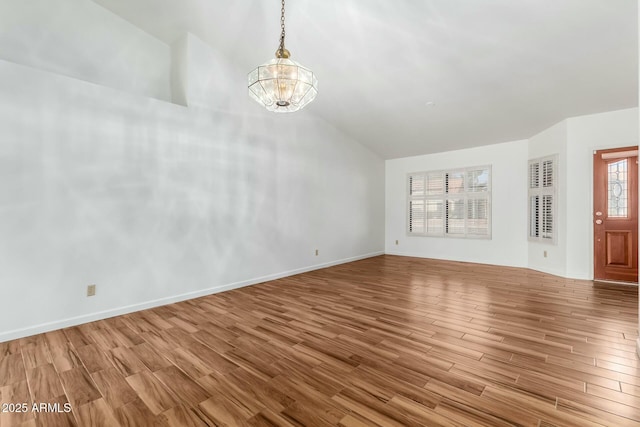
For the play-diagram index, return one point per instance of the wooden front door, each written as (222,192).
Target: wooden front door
(615,214)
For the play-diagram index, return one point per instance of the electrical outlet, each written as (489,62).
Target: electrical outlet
(91,290)
(396,242)
(545,254)
(316,252)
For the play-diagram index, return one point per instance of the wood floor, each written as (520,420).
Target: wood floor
(388,341)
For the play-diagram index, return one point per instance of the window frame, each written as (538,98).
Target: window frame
(541,191)
(445,197)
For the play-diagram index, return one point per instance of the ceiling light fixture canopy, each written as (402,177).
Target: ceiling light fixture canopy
(282,85)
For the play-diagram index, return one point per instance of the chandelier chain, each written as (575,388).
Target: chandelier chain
(281,48)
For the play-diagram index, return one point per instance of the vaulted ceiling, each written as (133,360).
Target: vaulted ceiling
(410,77)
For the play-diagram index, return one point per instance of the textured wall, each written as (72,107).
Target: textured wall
(81,39)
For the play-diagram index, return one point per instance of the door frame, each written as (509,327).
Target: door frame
(592,239)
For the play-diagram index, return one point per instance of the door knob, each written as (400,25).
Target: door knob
(598,221)
(598,213)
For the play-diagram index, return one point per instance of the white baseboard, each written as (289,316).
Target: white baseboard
(475,261)
(73,321)
(551,271)
(472,261)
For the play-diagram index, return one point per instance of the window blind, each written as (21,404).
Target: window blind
(542,199)
(451,203)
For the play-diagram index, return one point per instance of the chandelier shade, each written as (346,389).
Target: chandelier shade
(282,85)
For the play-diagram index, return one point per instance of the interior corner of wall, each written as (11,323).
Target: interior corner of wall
(579,274)
(179,75)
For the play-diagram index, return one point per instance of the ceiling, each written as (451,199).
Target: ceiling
(411,77)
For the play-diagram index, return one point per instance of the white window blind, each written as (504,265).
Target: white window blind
(542,199)
(452,203)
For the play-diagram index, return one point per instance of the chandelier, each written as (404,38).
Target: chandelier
(282,85)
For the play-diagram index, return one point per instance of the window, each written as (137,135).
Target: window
(542,199)
(618,191)
(452,203)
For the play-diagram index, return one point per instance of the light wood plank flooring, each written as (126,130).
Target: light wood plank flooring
(388,341)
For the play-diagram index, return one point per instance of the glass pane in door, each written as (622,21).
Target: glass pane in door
(617,189)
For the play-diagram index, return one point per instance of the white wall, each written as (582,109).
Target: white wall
(551,141)
(508,245)
(202,77)
(155,202)
(180,70)
(80,39)
(213,82)
(584,135)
